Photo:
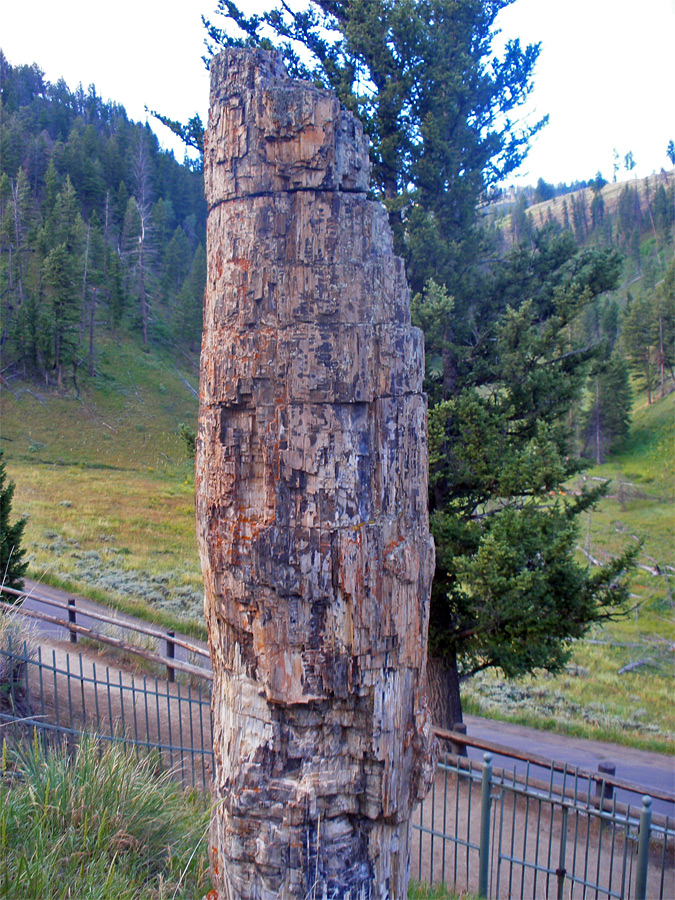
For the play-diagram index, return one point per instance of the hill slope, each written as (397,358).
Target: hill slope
(107,483)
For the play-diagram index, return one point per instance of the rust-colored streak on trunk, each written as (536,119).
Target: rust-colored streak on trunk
(311,501)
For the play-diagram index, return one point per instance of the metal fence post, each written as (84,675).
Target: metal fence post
(561,871)
(170,652)
(643,849)
(72,618)
(484,847)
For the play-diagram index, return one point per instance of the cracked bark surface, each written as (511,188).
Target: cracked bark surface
(312,512)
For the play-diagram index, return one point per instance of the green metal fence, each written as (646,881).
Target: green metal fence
(501,833)
(494,832)
(73,695)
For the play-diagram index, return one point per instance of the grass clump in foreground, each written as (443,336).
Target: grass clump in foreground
(97,823)
(422,891)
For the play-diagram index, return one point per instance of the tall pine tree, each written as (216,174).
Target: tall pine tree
(606,418)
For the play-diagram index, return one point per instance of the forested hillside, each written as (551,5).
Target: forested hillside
(102,233)
(635,320)
(100,230)
(619,213)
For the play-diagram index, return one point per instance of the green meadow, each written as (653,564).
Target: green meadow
(107,485)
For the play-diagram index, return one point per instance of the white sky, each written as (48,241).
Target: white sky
(605,74)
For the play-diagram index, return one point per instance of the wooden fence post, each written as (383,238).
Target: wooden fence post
(170,652)
(72,618)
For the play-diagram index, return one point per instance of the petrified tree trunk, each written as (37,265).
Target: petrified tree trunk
(311,501)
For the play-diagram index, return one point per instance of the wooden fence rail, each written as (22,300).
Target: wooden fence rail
(601,777)
(69,622)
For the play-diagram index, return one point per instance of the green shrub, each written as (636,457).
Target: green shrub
(12,563)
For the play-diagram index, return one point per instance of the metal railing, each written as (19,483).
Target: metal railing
(503,833)
(496,832)
(145,714)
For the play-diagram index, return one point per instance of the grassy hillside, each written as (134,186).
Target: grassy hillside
(106,482)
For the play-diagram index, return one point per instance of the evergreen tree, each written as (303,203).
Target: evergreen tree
(606,419)
(62,238)
(629,222)
(615,164)
(12,563)
(638,338)
(609,323)
(508,590)
(115,289)
(120,211)
(14,232)
(543,191)
(59,273)
(52,187)
(579,219)
(566,216)
(597,205)
(664,213)
(94,280)
(188,318)
(162,221)
(521,223)
(663,314)
(176,263)
(30,335)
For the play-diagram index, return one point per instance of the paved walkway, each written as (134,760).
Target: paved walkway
(59,633)
(641,767)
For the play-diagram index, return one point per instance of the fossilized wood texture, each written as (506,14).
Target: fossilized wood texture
(311,501)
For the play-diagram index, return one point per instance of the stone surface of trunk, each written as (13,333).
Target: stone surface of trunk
(311,501)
